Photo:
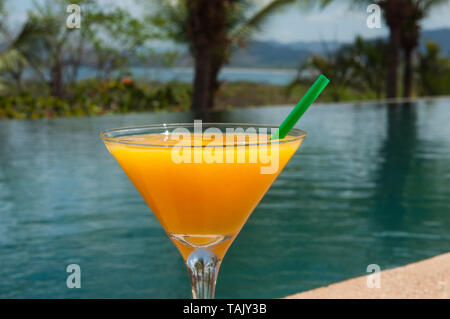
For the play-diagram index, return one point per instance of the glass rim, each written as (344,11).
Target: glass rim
(293,135)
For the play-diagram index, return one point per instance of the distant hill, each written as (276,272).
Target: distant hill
(278,55)
(274,54)
(317,47)
(440,36)
(263,54)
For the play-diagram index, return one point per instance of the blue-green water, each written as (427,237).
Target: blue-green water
(370,184)
(257,75)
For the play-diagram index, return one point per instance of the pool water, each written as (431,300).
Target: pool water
(370,185)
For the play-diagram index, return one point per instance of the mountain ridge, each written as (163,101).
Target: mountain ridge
(275,54)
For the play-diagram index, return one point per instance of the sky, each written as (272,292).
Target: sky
(337,22)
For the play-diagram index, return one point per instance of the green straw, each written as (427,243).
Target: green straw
(308,99)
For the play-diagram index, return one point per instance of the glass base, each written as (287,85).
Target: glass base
(203,267)
(203,255)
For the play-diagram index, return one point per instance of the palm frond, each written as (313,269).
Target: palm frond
(255,22)
(12,64)
(12,59)
(429,4)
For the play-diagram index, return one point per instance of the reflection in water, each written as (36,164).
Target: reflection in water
(407,212)
(397,156)
(211,117)
(370,184)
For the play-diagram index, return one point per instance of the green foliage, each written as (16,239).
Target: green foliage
(247,94)
(96,98)
(26,106)
(124,96)
(12,64)
(370,59)
(359,70)
(110,39)
(359,66)
(433,72)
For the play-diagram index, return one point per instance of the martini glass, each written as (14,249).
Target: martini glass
(202,187)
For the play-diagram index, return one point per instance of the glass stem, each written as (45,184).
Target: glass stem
(203,267)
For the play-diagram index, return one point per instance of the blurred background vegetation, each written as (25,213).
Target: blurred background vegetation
(48,70)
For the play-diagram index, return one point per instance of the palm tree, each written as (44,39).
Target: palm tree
(433,71)
(394,15)
(370,63)
(415,10)
(207,24)
(12,62)
(358,66)
(54,53)
(409,41)
(12,66)
(402,18)
(211,28)
(338,65)
(19,49)
(39,44)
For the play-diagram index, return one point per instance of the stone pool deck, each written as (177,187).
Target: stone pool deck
(429,278)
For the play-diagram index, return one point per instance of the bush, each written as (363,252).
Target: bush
(25,106)
(433,72)
(91,97)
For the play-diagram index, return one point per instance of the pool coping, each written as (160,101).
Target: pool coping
(426,279)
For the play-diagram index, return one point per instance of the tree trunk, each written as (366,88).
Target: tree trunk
(408,74)
(410,34)
(56,81)
(17,77)
(203,93)
(392,62)
(378,93)
(207,32)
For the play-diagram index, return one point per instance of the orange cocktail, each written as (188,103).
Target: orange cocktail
(201,187)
